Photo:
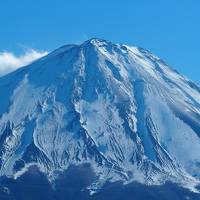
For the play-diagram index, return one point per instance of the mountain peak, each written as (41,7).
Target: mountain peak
(91,40)
(96,42)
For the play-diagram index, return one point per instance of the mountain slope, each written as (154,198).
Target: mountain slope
(119,108)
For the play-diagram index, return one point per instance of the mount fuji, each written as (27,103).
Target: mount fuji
(118,109)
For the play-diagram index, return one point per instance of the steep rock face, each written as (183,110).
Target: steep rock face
(119,108)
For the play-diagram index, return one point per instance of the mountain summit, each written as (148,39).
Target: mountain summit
(118,108)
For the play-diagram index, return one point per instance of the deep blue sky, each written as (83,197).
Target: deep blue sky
(168,28)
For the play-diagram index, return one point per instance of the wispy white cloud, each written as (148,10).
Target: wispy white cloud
(10,62)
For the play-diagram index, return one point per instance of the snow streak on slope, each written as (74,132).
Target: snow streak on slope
(119,108)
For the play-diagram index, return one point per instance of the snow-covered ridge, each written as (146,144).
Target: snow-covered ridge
(117,107)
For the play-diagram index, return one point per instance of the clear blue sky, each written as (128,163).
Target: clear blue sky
(168,28)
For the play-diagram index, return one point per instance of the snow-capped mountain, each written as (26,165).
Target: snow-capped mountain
(117,107)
